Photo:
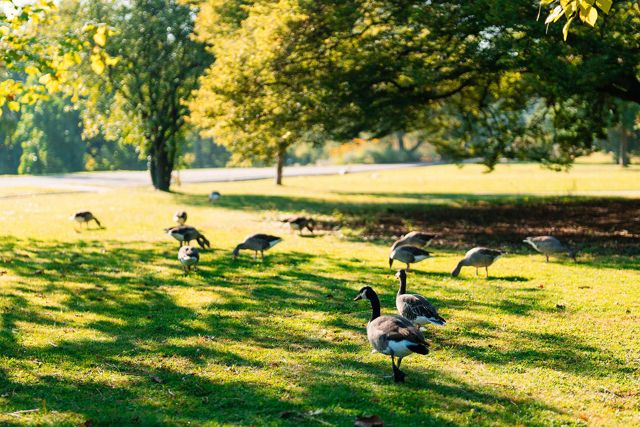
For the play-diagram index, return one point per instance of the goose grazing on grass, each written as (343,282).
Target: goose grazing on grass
(414,238)
(214,196)
(549,245)
(415,307)
(257,243)
(408,255)
(84,218)
(185,234)
(189,257)
(300,223)
(180,217)
(477,257)
(394,336)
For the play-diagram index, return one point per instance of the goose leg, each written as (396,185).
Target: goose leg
(398,375)
(408,267)
(255,255)
(476,271)
(487,269)
(262,255)
(547,258)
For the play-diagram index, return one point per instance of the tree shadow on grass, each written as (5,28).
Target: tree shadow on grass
(122,349)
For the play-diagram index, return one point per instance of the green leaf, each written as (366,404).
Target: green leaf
(604,5)
(565,29)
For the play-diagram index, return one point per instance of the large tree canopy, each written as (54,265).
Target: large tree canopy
(483,77)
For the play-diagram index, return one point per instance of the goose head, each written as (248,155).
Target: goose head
(365,292)
(401,274)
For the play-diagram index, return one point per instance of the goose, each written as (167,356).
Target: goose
(415,307)
(394,336)
(300,223)
(185,234)
(414,238)
(189,257)
(477,257)
(84,218)
(408,255)
(180,217)
(214,196)
(549,245)
(257,243)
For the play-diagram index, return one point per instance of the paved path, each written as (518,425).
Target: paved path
(103,181)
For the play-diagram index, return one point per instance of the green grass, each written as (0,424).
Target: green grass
(102,326)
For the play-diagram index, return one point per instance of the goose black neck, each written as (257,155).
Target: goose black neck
(403,285)
(375,306)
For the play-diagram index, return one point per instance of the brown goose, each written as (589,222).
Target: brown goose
(478,257)
(394,336)
(414,238)
(85,217)
(408,255)
(189,257)
(299,223)
(415,307)
(185,234)
(549,245)
(257,243)
(180,217)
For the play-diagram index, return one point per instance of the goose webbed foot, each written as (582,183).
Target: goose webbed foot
(398,376)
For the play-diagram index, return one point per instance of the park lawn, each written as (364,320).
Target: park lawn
(101,325)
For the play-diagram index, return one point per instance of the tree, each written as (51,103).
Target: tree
(152,65)
(247,101)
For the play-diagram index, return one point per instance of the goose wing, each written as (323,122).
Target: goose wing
(415,306)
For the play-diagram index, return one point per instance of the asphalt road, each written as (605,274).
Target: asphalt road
(103,181)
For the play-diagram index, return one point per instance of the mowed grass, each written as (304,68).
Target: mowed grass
(102,325)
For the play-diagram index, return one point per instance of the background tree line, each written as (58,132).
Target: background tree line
(152,82)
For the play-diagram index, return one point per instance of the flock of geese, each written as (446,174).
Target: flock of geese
(393,335)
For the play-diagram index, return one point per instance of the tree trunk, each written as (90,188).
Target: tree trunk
(161,167)
(282,151)
(623,155)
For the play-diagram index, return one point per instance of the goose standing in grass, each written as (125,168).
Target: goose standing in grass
(549,245)
(84,218)
(189,257)
(299,223)
(477,257)
(408,255)
(185,234)
(180,217)
(394,336)
(415,307)
(214,196)
(257,243)
(414,238)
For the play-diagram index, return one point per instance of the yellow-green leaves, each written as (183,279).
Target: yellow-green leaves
(586,10)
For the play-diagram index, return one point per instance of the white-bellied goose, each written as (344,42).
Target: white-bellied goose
(214,196)
(414,238)
(415,307)
(299,223)
(477,257)
(185,234)
(189,257)
(180,217)
(408,255)
(257,243)
(549,245)
(84,218)
(394,336)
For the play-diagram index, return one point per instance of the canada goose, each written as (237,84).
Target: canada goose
(180,217)
(257,243)
(549,245)
(300,223)
(189,257)
(185,234)
(414,238)
(84,218)
(214,196)
(395,336)
(477,257)
(408,255)
(415,307)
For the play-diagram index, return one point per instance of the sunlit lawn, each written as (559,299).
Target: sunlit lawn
(102,325)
